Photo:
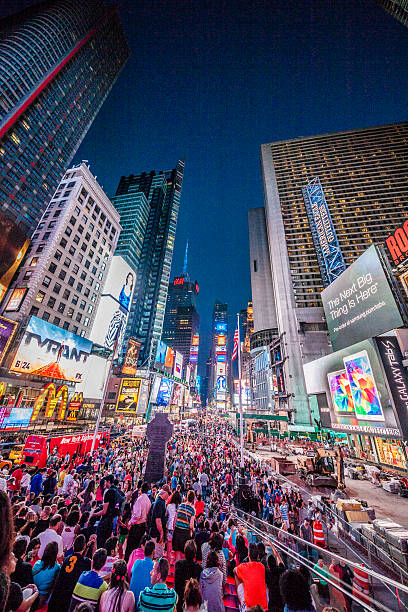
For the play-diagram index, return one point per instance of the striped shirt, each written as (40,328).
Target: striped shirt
(284,510)
(89,588)
(157,597)
(183,516)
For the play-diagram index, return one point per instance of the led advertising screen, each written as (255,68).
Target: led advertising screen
(113,309)
(221,358)
(372,410)
(18,417)
(364,392)
(131,358)
(221,384)
(15,299)
(196,340)
(178,365)
(221,327)
(340,391)
(7,331)
(396,244)
(50,351)
(128,397)
(94,378)
(13,246)
(359,304)
(165,392)
(221,340)
(161,352)
(155,389)
(169,359)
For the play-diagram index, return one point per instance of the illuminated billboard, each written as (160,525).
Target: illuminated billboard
(351,382)
(178,365)
(113,310)
(397,244)
(155,390)
(169,359)
(196,340)
(161,352)
(18,417)
(7,330)
(94,378)
(15,299)
(221,350)
(50,351)
(128,396)
(359,304)
(221,327)
(13,246)
(131,358)
(165,392)
(221,340)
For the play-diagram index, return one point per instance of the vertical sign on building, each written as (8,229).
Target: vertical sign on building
(329,255)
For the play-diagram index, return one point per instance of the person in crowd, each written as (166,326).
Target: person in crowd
(322,573)
(118,598)
(184,524)
(68,576)
(90,585)
(138,553)
(215,544)
(250,581)
(23,574)
(45,572)
(295,592)
(158,597)
(70,530)
(138,521)
(211,584)
(87,497)
(52,535)
(172,505)
(192,596)
(158,521)
(107,513)
(274,571)
(201,536)
(111,547)
(141,571)
(36,482)
(184,570)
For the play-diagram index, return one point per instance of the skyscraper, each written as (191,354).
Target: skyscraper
(181,319)
(219,372)
(148,204)
(59,60)
(363,176)
(62,279)
(396,8)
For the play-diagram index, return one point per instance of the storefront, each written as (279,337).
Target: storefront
(391,452)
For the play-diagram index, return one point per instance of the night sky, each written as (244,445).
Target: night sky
(212,81)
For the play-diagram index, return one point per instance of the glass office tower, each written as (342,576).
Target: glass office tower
(148,204)
(58,62)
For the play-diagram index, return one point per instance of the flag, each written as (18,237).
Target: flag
(235,349)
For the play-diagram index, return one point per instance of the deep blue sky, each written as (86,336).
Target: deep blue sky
(212,81)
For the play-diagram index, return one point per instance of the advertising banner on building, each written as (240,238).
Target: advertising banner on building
(161,352)
(114,306)
(143,397)
(165,392)
(359,304)
(155,389)
(132,355)
(128,397)
(178,365)
(169,359)
(397,244)
(50,351)
(7,331)
(356,390)
(13,246)
(221,327)
(16,417)
(94,378)
(15,299)
(397,378)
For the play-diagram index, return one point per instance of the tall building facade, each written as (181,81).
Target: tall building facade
(363,174)
(63,275)
(219,370)
(148,204)
(181,319)
(396,8)
(59,60)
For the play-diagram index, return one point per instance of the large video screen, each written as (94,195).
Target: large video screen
(363,388)
(340,391)
(17,418)
(165,392)
(50,351)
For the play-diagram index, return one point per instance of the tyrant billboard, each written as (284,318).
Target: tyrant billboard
(50,351)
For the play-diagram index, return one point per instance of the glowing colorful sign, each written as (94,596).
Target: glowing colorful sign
(7,331)
(397,244)
(15,299)
(132,355)
(196,340)
(179,281)
(51,398)
(128,397)
(74,405)
(221,340)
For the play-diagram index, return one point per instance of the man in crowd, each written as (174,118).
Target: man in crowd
(68,576)
(158,597)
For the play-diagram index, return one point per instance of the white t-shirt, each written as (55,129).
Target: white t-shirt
(171,513)
(47,536)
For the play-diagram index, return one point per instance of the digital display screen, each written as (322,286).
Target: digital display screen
(165,392)
(364,392)
(340,391)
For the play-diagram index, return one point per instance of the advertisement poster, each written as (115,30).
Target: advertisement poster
(128,397)
(13,246)
(155,389)
(397,377)
(169,359)
(19,417)
(143,397)
(114,307)
(15,299)
(161,352)
(50,351)
(165,392)
(372,412)
(94,378)
(359,304)
(340,391)
(178,365)
(7,330)
(131,358)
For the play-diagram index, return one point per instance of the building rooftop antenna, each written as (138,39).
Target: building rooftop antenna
(185,260)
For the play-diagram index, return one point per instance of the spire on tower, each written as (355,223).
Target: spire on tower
(185,260)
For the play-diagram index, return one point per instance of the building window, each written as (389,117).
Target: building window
(58,255)
(57,320)
(65,325)
(70,312)
(72,220)
(40,248)
(62,275)
(86,292)
(84,247)
(75,299)
(82,305)
(75,269)
(33,262)
(68,231)
(46,316)
(51,302)
(255,266)
(76,239)
(90,309)
(67,262)
(86,321)
(83,275)
(81,229)
(78,317)
(80,257)
(46,282)
(94,269)
(61,307)
(80,286)
(34,311)
(27,275)
(82,333)
(87,264)
(71,250)
(57,213)
(52,267)
(74,329)
(66,294)
(100,276)
(77,211)
(63,242)
(40,296)
(71,281)
(93,298)
(57,288)
(46,235)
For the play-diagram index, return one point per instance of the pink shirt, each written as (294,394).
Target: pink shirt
(134,556)
(140,510)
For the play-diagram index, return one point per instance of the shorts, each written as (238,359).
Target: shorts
(180,537)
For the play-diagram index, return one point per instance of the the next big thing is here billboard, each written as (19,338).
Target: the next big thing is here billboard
(359,304)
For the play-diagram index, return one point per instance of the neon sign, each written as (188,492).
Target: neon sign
(179,281)
(51,398)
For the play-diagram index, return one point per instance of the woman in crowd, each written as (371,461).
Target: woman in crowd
(184,524)
(118,598)
(211,584)
(45,572)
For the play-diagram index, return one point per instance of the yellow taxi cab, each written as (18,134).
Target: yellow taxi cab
(16,453)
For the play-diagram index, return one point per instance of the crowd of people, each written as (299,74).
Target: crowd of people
(86,534)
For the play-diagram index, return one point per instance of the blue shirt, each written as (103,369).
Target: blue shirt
(141,576)
(36,483)
(44,578)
